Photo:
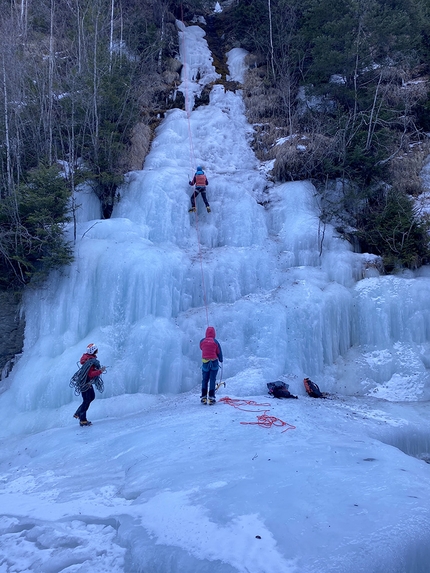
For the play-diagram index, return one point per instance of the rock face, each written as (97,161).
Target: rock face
(11,331)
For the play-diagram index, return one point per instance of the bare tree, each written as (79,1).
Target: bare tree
(272,54)
(6,127)
(21,9)
(111,34)
(51,80)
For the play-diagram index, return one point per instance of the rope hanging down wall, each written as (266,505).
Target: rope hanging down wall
(192,161)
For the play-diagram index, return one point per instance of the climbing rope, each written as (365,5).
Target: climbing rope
(192,163)
(266,421)
(79,381)
(263,420)
(187,104)
(239,404)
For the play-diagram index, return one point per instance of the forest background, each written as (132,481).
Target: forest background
(337,92)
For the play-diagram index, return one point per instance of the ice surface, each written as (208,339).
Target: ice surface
(161,483)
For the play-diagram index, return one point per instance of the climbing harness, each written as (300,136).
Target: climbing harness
(263,420)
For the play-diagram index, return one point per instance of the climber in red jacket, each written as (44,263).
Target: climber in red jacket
(211,356)
(92,372)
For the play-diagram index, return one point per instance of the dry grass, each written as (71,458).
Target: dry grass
(264,110)
(301,156)
(262,101)
(405,168)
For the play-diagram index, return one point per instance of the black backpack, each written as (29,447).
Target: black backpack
(279,389)
(312,389)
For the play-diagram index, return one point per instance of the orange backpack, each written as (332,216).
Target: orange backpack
(200,180)
(312,388)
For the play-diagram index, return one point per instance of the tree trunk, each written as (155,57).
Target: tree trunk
(6,128)
(51,82)
(111,35)
(272,58)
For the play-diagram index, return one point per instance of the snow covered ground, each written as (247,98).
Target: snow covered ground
(162,484)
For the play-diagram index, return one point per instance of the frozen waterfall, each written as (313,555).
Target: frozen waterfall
(162,484)
(284,302)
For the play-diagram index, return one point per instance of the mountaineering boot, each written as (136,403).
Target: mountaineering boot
(203,399)
(211,400)
(208,209)
(85,423)
(76,416)
(192,210)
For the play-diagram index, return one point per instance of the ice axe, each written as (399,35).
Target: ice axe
(220,383)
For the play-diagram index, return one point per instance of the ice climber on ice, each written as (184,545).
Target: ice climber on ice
(200,181)
(83,381)
(211,356)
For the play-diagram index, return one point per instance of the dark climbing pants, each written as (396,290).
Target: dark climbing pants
(209,374)
(198,190)
(87,397)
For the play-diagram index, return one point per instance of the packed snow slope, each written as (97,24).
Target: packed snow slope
(163,484)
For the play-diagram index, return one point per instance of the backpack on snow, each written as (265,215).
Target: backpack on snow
(312,389)
(279,389)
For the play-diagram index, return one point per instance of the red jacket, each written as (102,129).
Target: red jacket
(210,347)
(93,371)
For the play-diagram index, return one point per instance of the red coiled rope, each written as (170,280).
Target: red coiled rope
(266,421)
(263,420)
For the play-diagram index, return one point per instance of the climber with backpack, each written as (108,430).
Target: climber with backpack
(211,357)
(200,181)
